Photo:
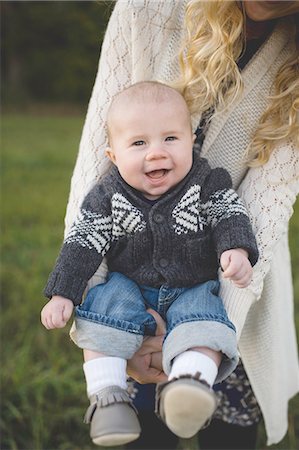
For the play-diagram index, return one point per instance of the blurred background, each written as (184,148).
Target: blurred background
(49,58)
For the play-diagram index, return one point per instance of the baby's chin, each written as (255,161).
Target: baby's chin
(152,196)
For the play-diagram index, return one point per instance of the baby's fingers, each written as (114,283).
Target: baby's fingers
(243,281)
(46,318)
(225,260)
(58,320)
(52,319)
(67,311)
(243,276)
(231,270)
(47,321)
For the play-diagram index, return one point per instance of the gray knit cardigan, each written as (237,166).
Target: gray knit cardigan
(176,241)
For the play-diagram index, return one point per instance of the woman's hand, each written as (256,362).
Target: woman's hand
(56,313)
(146,364)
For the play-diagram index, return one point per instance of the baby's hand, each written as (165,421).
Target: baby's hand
(236,266)
(56,312)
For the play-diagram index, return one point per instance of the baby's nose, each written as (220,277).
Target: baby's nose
(155,153)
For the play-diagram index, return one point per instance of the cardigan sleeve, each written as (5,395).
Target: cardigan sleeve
(83,249)
(227,215)
(269,192)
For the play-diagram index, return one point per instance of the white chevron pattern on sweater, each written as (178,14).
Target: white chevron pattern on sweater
(223,204)
(91,230)
(186,212)
(192,215)
(127,219)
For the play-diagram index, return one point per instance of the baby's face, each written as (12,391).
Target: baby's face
(151,144)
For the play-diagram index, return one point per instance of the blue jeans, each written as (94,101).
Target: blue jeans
(113,320)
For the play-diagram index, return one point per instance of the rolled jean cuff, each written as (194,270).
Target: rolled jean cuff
(104,339)
(214,335)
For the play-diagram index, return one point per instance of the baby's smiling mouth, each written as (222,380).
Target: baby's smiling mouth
(156,174)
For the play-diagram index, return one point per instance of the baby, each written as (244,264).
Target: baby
(165,221)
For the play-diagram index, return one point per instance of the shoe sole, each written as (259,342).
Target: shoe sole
(187,408)
(114,439)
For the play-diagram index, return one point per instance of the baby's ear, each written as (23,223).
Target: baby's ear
(110,154)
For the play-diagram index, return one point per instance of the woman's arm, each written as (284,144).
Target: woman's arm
(269,192)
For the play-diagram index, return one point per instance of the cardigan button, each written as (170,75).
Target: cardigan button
(163,262)
(158,218)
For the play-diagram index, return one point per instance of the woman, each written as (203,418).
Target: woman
(227,57)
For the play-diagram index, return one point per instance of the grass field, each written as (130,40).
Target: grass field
(43,392)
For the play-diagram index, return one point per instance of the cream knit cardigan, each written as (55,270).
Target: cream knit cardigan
(141,43)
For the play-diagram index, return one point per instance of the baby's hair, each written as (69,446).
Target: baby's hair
(144,91)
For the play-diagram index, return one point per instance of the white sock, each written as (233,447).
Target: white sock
(103,372)
(191,362)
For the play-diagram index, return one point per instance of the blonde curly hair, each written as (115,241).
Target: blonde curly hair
(210,78)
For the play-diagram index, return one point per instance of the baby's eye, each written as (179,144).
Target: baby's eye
(137,143)
(171,138)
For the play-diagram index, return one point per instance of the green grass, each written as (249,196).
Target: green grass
(43,392)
